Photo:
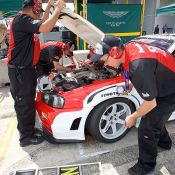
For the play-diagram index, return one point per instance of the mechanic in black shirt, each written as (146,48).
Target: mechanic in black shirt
(23,55)
(152,72)
(51,54)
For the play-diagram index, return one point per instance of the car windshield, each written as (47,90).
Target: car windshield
(156,42)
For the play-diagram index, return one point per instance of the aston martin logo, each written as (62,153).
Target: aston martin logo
(114,14)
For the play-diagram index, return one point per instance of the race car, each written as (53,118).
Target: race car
(91,99)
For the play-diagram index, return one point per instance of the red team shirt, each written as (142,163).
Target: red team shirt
(151,70)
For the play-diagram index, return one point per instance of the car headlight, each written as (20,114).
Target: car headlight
(53,100)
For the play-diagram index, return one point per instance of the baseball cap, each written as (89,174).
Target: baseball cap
(106,44)
(33,3)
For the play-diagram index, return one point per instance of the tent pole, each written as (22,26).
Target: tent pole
(76,11)
(142,18)
(84,16)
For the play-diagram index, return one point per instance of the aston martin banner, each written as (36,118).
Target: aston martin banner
(113,18)
(11,5)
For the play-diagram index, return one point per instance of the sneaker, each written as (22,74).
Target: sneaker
(38,132)
(34,140)
(165,145)
(138,169)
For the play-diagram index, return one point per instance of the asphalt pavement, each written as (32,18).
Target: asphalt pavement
(115,158)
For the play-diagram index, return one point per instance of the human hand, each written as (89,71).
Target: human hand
(130,121)
(88,63)
(60,4)
(51,3)
(80,65)
(77,67)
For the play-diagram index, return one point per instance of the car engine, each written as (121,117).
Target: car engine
(77,78)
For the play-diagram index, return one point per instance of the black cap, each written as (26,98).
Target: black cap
(32,3)
(107,42)
(28,3)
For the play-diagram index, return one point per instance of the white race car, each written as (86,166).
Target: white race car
(90,99)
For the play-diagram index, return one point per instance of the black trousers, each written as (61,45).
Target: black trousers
(152,131)
(23,89)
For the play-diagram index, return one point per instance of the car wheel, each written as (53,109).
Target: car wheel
(107,121)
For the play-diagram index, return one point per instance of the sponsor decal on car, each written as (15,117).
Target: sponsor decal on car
(109,94)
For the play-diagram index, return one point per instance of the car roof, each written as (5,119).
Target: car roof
(160,36)
(162,41)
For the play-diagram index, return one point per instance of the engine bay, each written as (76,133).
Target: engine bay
(77,78)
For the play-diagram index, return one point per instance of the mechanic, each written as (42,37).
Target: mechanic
(51,54)
(152,72)
(23,55)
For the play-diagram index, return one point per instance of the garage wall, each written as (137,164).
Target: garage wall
(165,19)
(149,19)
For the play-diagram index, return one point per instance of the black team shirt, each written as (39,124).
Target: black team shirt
(151,70)
(24,49)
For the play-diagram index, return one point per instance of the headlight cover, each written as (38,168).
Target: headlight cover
(53,100)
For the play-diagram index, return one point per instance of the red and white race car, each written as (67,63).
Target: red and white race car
(90,99)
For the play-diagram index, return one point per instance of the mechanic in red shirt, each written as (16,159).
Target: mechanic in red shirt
(152,72)
(51,54)
(23,55)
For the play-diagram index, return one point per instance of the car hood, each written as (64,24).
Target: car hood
(81,27)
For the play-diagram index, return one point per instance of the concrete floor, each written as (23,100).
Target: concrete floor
(116,158)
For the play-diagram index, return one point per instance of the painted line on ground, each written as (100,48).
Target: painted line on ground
(5,141)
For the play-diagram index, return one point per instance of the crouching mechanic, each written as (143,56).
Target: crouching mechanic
(152,72)
(51,54)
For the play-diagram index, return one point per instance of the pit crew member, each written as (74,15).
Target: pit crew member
(152,72)
(23,56)
(51,54)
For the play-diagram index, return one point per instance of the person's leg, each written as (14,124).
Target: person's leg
(23,93)
(164,138)
(150,131)
(165,141)
(23,89)
(147,141)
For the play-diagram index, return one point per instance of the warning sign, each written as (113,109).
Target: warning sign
(71,170)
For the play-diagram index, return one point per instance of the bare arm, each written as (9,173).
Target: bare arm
(145,108)
(75,62)
(49,23)
(60,67)
(47,11)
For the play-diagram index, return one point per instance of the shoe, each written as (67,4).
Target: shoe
(165,146)
(34,140)
(38,132)
(138,169)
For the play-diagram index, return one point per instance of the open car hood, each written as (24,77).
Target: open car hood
(81,27)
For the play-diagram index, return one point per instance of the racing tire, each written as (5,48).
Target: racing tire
(107,121)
